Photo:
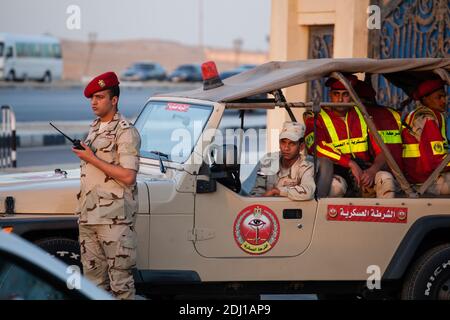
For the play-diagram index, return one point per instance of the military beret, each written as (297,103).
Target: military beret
(335,84)
(102,82)
(427,87)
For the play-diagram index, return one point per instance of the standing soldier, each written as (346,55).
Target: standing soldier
(107,201)
(424,136)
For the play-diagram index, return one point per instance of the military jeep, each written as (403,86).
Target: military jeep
(201,234)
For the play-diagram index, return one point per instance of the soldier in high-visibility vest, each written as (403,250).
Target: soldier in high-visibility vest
(343,140)
(387,120)
(424,136)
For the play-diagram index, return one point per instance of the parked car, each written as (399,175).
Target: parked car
(29,273)
(142,71)
(186,72)
(241,68)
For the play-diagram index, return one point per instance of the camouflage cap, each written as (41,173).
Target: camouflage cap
(293,131)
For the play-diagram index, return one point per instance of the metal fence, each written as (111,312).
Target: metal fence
(8,155)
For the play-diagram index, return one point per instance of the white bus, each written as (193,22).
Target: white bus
(30,57)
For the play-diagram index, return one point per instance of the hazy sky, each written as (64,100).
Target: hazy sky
(178,20)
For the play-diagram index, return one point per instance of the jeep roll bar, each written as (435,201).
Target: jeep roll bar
(280,101)
(404,184)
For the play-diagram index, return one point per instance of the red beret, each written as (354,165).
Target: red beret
(365,90)
(335,84)
(102,82)
(427,87)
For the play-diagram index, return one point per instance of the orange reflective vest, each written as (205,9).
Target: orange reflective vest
(422,156)
(339,139)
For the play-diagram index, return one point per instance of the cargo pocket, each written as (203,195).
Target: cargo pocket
(111,203)
(126,253)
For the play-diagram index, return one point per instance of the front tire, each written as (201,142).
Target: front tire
(11,76)
(429,277)
(66,250)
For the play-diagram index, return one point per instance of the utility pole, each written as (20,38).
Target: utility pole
(237,46)
(92,38)
(200,26)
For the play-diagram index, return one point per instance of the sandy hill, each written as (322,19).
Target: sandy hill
(117,55)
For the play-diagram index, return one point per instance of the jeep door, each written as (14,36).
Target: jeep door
(231,225)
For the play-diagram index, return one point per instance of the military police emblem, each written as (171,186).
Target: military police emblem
(256,229)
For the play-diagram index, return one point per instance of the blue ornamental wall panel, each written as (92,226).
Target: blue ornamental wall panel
(409,29)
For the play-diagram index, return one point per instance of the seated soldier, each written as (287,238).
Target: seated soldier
(389,126)
(424,136)
(387,120)
(286,173)
(345,148)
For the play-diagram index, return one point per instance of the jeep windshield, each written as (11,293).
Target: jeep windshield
(171,128)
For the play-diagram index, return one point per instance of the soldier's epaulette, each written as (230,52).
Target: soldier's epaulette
(124,124)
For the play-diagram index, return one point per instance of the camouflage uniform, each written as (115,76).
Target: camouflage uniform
(296,182)
(107,209)
(385,186)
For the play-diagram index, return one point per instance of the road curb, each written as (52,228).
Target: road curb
(26,140)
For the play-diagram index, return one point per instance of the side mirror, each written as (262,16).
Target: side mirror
(206,184)
(223,159)
(221,165)
(224,166)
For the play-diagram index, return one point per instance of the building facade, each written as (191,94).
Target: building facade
(306,29)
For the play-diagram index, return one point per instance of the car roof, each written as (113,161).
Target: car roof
(19,247)
(144,63)
(271,76)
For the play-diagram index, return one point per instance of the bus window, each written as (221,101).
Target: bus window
(36,50)
(46,50)
(20,49)
(1,48)
(56,51)
(28,50)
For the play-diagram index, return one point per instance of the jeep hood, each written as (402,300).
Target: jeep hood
(41,192)
(48,192)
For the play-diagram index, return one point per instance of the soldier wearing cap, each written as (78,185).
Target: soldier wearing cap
(350,161)
(107,201)
(286,173)
(424,136)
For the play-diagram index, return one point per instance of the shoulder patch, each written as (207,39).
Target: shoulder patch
(124,124)
(423,113)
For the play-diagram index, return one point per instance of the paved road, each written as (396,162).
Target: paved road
(43,156)
(68,103)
